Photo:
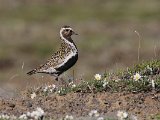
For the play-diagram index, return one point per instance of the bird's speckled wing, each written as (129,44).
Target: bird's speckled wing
(56,60)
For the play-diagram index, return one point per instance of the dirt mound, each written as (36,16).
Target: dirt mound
(142,105)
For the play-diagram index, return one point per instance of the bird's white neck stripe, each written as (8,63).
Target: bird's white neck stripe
(65,38)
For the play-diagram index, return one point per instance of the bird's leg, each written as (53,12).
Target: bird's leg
(58,79)
(56,76)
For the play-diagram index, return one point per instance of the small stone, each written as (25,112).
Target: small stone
(11,105)
(29,104)
(108,104)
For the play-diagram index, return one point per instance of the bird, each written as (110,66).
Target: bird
(63,59)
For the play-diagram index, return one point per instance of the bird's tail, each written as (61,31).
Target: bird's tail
(32,72)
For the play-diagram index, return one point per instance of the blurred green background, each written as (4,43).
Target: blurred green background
(29,34)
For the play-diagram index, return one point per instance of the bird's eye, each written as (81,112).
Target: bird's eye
(67,30)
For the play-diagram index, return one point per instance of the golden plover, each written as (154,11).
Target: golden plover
(63,59)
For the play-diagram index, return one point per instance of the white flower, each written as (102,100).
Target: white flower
(137,76)
(133,117)
(149,68)
(105,83)
(122,115)
(93,113)
(96,115)
(100,118)
(28,114)
(12,117)
(45,90)
(36,114)
(33,114)
(40,111)
(33,95)
(73,86)
(53,86)
(68,117)
(58,91)
(23,117)
(97,76)
(6,117)
(51,90)
(70,83)
(117,80)
(153,84)
(49,86)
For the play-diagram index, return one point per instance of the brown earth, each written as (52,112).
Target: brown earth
(142,105)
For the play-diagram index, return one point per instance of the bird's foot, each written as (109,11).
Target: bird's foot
(56,78)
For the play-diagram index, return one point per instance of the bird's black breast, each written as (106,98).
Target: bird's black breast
(67,65)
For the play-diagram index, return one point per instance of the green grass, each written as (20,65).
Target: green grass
(121,82)
(146,68)
(155,117)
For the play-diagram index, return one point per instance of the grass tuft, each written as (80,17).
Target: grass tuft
(124,81)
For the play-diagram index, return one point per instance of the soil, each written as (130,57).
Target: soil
(142,105)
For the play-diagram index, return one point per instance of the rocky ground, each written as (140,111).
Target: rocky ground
(143,105)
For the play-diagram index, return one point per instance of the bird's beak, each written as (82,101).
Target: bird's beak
(73,33)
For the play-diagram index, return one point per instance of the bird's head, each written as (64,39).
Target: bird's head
(67,32)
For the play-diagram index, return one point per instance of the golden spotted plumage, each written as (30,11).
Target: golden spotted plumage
(56,58)
(63,59)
